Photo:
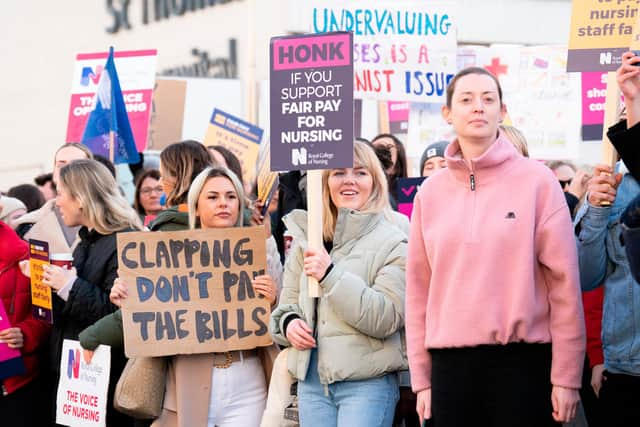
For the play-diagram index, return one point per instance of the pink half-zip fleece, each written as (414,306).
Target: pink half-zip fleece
(492,260)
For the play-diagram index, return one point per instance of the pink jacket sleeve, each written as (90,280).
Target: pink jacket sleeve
(558,256)
(418,277)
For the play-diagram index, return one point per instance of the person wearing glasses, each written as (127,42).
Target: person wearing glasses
(148,193)
(573,181)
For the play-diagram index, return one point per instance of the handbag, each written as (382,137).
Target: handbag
(141,387)
(281,409)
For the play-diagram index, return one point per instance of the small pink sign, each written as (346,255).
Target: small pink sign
(316,51)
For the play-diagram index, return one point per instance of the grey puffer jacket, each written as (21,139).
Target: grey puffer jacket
(360,317)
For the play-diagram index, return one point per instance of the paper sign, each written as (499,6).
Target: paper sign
(267,180)
(398,113)
(82,390)
(136,72)
(601,31)
(241,138)
(403,50)
(10,358)
(594,93)
(311,102)
(190,291)
(406,190)
(41,298)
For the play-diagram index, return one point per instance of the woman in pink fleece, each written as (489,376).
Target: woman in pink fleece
(494,323)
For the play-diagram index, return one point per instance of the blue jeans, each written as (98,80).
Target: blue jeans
(366,403)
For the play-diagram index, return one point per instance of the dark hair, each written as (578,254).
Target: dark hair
(451,87)
(41,180)
(106,162)
(28,194)
(232,161)
(183,161)
(384,155)
(149,173)
(400,168)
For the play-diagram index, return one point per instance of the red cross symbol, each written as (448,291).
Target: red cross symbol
(496,68)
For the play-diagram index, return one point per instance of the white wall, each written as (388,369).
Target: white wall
(40,39)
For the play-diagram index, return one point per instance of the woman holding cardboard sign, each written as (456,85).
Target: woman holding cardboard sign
(88,196)
(495,329)
(231,387)
(346,346)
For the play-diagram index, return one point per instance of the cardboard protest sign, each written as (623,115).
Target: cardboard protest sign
(41,298)
(82,390)
(406,190)
(601,31)
(190,291)
(136,72)
(311,102)
(167,114)
(10,358)
(594,93)
(403,50)
(267,181)
(241,138)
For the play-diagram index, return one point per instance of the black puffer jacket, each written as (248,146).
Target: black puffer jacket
(96,261)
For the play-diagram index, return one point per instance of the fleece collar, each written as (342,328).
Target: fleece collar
(491,164)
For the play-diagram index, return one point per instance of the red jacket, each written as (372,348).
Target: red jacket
(15,293)
(592,302)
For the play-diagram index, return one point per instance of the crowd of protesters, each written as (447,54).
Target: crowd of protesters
(511,298)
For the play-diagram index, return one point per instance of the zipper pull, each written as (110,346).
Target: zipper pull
(472,180)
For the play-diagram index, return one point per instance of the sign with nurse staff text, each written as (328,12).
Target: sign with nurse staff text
(312,102)
(190,291)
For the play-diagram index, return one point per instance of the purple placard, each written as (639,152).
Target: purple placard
(10,358)
(312,102)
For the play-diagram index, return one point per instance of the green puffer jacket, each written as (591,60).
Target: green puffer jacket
(360,317)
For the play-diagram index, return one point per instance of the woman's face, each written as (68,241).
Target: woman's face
(432,165)
(350,188)
(167,182)
(475,110)
(218,203)
(70,208)
(391,146)
(150,192)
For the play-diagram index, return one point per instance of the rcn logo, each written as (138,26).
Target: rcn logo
(89,76)
(73,365)
(299,156)
(605,58)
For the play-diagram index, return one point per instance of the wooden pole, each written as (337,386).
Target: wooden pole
(611,110)
(112,136)
(314,221)
(383,117)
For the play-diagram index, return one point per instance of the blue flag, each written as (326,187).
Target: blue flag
(110,115)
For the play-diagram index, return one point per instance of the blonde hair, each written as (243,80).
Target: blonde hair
(182,161)
(363,156)
(516,137)
(93,186)
(199,182)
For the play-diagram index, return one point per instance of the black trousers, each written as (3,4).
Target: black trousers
(620,400)
(492,386)
(26,407)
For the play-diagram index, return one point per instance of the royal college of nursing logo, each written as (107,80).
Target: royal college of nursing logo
(299,156)
(73,364)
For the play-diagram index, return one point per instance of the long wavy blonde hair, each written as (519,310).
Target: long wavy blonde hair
(363,156)
(93,186)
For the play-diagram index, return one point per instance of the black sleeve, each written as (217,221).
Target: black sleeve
(572,202)
(627,143)
(89,302)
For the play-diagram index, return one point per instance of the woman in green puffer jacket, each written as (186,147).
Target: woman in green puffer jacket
(347,345)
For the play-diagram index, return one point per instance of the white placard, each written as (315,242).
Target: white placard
(82,390)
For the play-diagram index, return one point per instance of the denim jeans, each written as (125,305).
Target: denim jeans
(366,403)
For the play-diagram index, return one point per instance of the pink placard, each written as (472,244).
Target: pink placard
(594,93)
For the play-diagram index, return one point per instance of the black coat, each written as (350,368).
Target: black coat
(627,143)
(96,261)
